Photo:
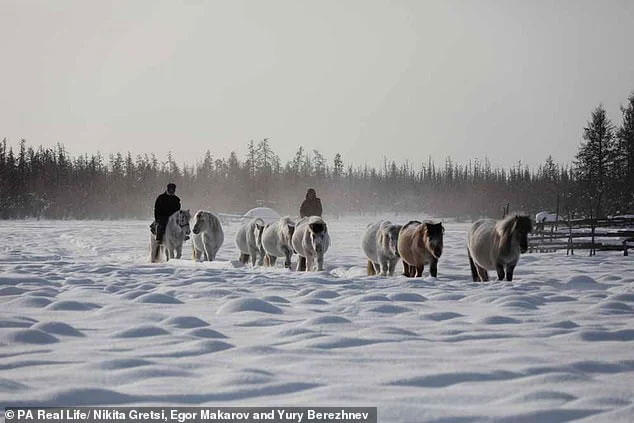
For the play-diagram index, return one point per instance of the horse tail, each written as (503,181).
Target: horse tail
(474,270)
(371,271)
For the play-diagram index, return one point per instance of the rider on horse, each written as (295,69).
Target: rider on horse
(166,204)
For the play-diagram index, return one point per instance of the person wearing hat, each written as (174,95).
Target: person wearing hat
(166,205)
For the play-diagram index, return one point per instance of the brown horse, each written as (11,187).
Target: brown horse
(420,244)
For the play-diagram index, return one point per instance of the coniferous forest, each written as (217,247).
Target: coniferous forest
(48,182)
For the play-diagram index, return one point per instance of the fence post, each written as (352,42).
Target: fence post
(571,247)
(557,214)
(593,252)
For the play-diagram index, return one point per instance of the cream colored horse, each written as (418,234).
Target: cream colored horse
(249,241)
(380,245)
(175,232)
(207,236)
(311,241)
(277,241)
(497,245)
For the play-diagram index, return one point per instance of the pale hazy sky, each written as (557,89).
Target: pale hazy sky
(514,80)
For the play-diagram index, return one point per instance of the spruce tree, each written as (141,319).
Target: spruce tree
(595,161)
(625,153)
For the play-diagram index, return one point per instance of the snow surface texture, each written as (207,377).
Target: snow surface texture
(85,320)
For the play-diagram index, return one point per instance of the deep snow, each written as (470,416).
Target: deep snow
(84,320)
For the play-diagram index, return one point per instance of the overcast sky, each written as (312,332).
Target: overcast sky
(514,80)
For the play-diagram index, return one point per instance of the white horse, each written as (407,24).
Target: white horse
(249,241)
(207,236)
(311,241)
(175,232)
(380,245)
(277,241)
(497,245)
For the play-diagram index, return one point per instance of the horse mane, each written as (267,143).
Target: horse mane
(505,227)
(410,223)
(213,223)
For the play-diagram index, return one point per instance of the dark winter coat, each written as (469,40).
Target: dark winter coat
(165,206)
(311,205)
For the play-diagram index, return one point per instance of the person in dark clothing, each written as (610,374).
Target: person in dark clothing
(311,205)
(166,205)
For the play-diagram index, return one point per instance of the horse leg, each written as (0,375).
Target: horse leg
(474,270)
(391,265)
(272,260)
(179,251)
(371,271)
(207,251)
(298,267)
(320,262)
(412,271)
(500,269)
(433,269)
(310,263)
(419,270)
(301,263)
(287,262)
(151,251)
(383,267)
(509,271)
(154,251)
(406,269)
(484,275)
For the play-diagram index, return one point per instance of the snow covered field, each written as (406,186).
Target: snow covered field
(84,320)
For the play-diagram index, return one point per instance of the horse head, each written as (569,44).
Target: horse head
(202,219)
(433,238)
(318,233)
(388,237)
(184,216)
(522,226)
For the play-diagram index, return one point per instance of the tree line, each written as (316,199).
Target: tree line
(48,182)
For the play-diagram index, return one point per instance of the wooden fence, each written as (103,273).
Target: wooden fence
(606,234)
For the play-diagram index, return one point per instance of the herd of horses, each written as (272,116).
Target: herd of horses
(491,244)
